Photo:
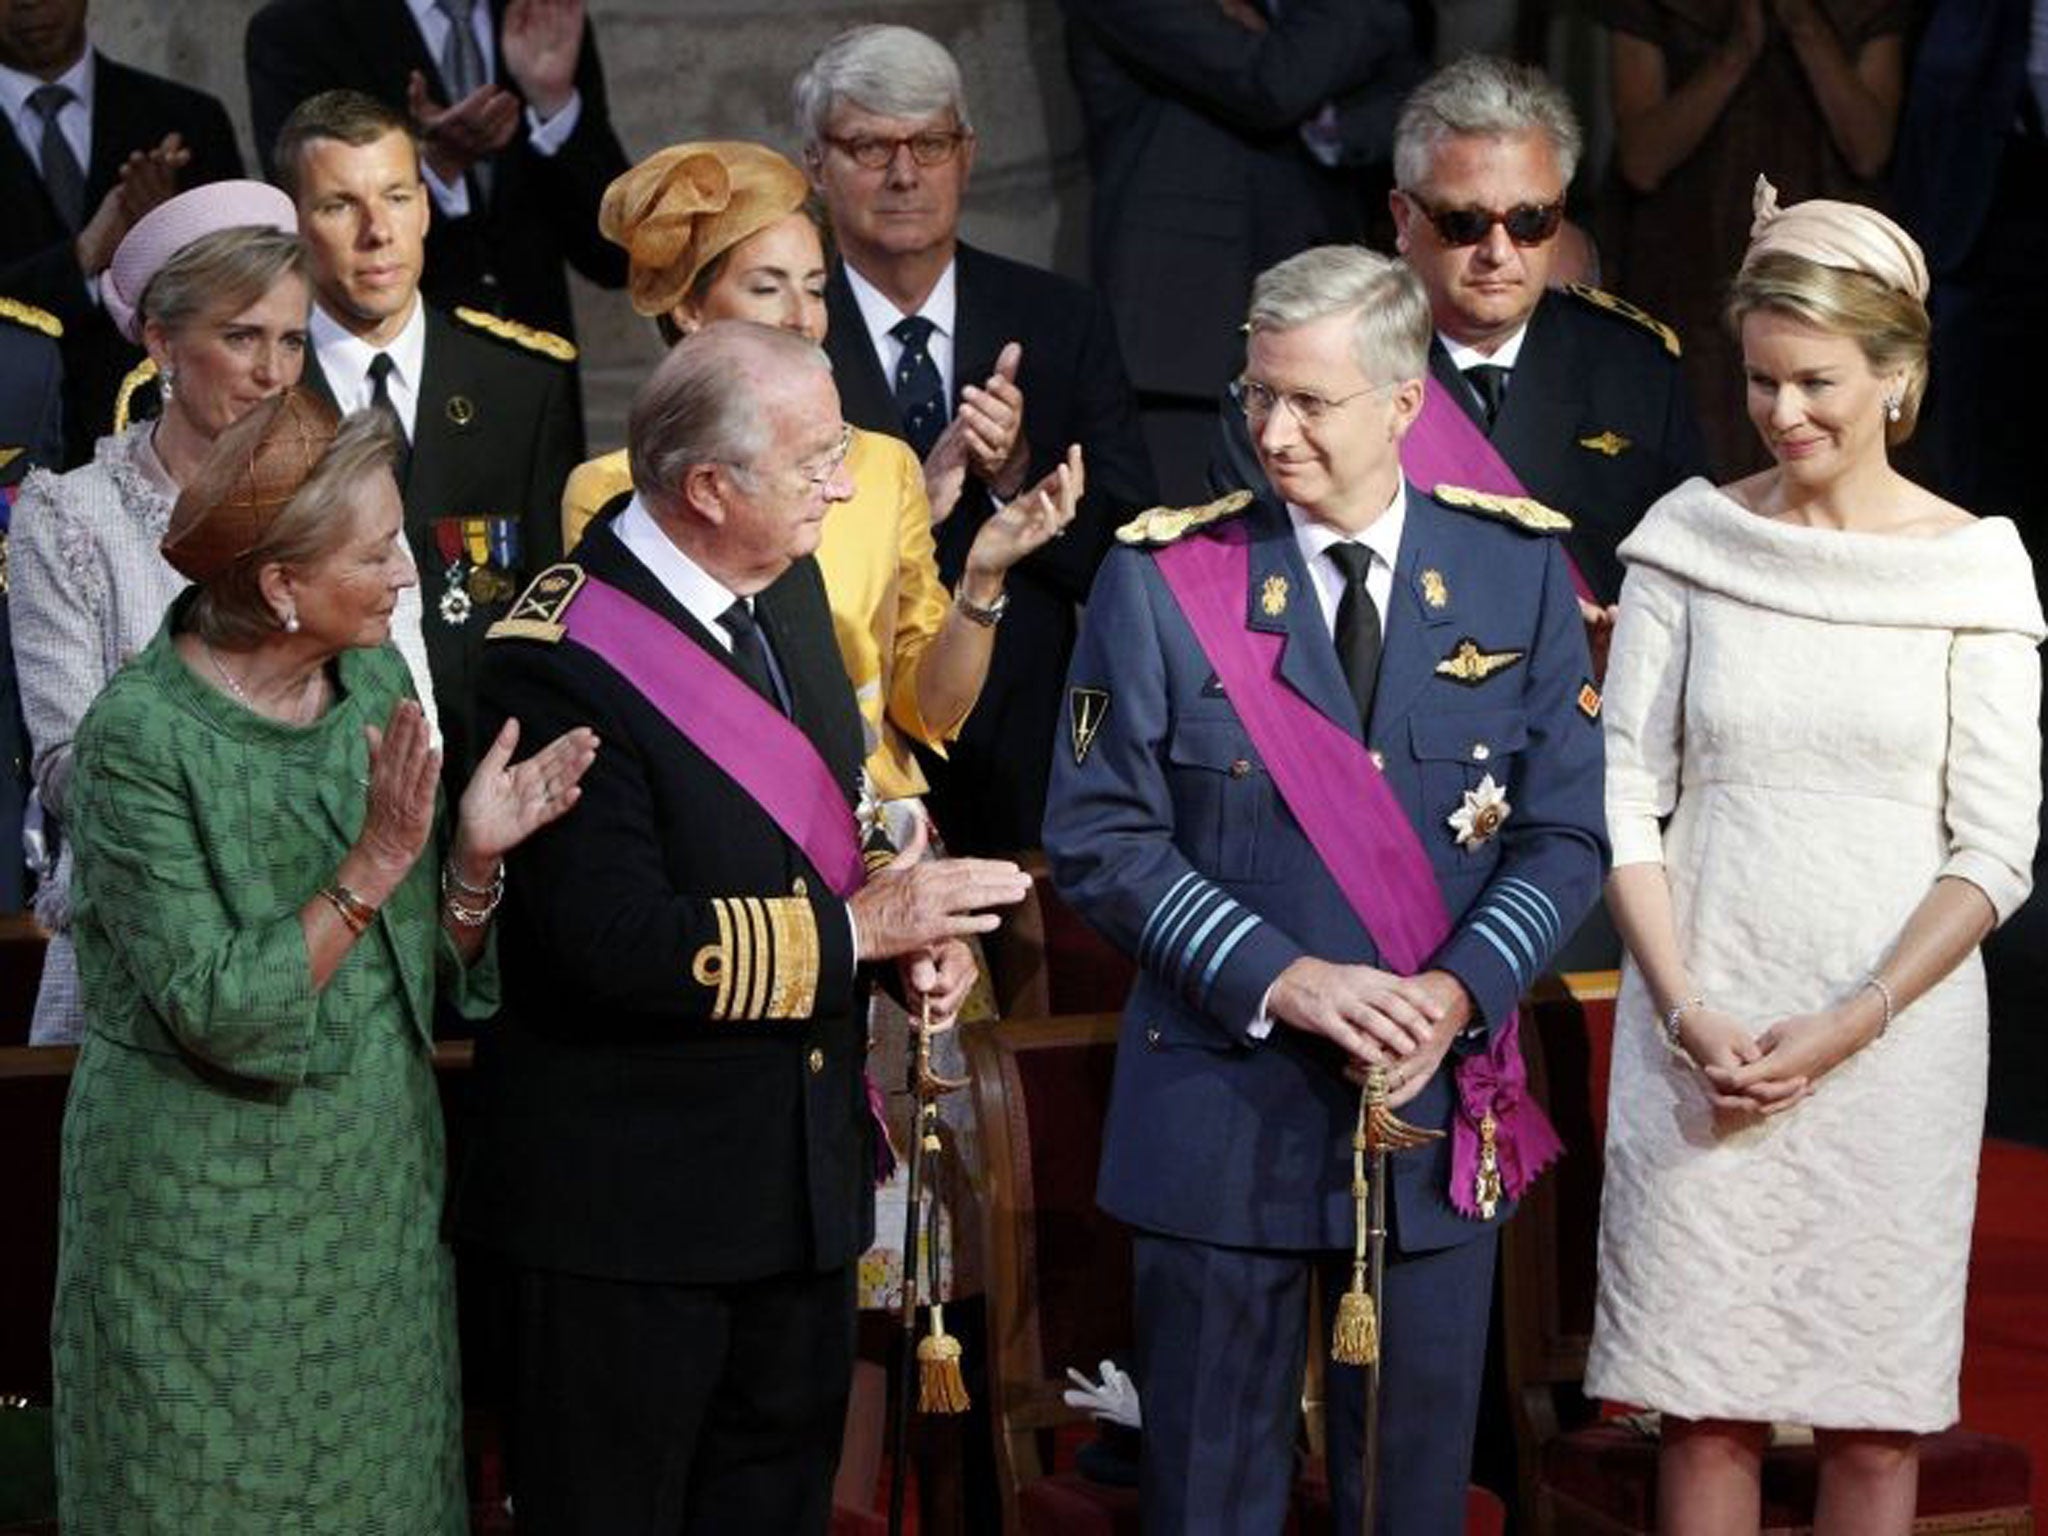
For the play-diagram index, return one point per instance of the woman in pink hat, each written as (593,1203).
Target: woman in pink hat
(212,283)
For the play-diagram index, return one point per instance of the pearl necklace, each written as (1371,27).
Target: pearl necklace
(299,716)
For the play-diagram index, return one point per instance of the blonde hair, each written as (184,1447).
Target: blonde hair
(230,611)
(1888,325)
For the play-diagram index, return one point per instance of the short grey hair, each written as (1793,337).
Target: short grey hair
(1390,339)
(890,71)
(230,610)
(705,404)
(224,272)
(1482,97)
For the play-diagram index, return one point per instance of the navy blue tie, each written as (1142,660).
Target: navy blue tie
(750,651)
(920,393)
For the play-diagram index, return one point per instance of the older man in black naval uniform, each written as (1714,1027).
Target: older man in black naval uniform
(674,1151)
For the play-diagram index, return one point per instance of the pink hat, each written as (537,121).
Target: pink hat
(174,224)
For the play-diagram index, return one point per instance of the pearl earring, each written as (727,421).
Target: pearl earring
(291,621)
(163,385)
(1892,408)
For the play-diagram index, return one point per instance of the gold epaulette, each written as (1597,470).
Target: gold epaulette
(1523,512)
(1600,298)
(35,319)
(124,397)
(546,343)
(765,962)
(1162,525)
(538,613)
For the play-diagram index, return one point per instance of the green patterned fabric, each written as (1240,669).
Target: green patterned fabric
(254,1328)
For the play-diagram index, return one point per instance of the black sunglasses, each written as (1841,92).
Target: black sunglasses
(1526,223)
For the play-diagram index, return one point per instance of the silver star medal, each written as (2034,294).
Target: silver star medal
(1481,814)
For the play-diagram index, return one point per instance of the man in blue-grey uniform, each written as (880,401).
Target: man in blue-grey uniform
(1332,775)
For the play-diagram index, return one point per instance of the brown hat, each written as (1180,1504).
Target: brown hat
(684,206)
(253,470)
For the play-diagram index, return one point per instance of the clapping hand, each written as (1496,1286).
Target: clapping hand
(911,903)
(146,178)
(1041,514)
(542,42)
(992,419)
(506,803)
(475,128)
(405,765)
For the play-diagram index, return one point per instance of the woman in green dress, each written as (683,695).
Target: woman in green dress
(254,1328)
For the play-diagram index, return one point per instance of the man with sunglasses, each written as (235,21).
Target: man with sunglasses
(988,368)
(1578,391)
(1332,777)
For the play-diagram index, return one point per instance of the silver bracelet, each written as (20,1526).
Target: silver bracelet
(1676,1013)
(1884,991)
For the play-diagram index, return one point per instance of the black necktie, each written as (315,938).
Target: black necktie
(61,173)
(920,393)
(1358,627)
(750,651)
(1489,381)
(380,400)
(462,69)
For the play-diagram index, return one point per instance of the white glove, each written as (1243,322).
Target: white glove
(1114,1399)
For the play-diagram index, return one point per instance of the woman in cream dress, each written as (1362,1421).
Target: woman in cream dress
(1823,782)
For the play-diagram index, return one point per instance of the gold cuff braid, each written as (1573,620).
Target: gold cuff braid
(764,964)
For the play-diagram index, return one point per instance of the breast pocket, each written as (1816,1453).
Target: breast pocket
(1224,802)
(1457,754)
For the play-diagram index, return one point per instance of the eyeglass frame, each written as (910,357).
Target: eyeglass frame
(954,138)
(1309,409)
(1552,211)
(829,463)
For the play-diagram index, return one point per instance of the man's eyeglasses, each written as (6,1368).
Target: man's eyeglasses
(934,146)
(818,472)
(1305,406)
(1526,223)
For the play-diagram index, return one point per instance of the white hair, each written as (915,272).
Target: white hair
(1390,339)
(1482,97)
(890,71)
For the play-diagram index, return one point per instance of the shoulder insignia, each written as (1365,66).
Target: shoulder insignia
(538,613)
(35,319)
(1162,525)
(1600,298)
(1589,700)
(546,343)
(124,397)
(1523,512)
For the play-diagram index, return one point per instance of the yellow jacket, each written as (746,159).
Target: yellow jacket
(883,581)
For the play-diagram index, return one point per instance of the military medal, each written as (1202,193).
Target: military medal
(455,602)
(1480,816)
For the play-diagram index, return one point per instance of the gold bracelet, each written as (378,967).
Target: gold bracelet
(355,911)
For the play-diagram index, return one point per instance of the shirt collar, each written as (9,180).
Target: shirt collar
(1503,356)
(879,313)
(16,88)
(702,595)
(344,357)
(1382,536)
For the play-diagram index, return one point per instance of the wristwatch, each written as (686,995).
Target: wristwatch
(974,613)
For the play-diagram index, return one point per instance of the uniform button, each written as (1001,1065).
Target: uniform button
(1152,1037)
(816,1061)
(1481,751)
(1379,759)
(1240,769)
(800,887)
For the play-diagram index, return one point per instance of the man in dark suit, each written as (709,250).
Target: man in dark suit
(888,145)
(1222,138)
(485,406)
(673,1151)
(89,146)
(511,109)
(1332,777)
(1970,171)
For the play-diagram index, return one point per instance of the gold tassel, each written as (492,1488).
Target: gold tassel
(1486,1191)
(1355,1337)
(940,1386)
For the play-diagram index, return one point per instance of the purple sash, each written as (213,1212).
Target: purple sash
(1359,830)
(1445,448)
(756,745)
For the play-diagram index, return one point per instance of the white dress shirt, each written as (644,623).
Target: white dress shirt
(344,360)
(74,121)
(941,306)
